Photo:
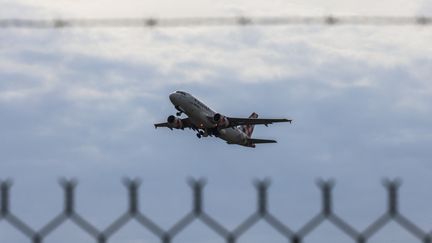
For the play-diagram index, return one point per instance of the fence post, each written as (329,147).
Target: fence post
(4,187)
(132,186)
(69,187)
(261,186)
(392,187)
(197,188)
(326,188)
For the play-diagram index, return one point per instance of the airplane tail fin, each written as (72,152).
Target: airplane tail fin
(248,129)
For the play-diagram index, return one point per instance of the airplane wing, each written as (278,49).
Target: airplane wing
(254,121)
(185,122)
(256,141)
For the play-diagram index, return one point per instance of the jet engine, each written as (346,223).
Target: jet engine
(175,122)
(221,121)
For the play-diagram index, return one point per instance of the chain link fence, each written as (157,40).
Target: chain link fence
(198,213)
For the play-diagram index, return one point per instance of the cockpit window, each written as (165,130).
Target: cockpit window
(181,92)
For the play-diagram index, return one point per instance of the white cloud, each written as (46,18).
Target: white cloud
(166,8)
(83,101)
(253,54)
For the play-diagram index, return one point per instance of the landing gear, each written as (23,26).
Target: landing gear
(180,111)
(201,134)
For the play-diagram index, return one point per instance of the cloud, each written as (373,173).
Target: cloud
(82,103)
(209,8)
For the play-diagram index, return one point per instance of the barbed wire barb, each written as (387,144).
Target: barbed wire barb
(242,21)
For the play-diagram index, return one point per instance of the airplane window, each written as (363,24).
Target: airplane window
(181,92)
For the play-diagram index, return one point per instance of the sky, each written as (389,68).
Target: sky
(81,103)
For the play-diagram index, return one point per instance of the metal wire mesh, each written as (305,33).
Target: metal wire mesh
(215,21)
(198,213)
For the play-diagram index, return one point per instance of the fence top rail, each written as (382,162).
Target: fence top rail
(149,22)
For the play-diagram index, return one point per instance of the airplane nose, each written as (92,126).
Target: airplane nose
(173,97)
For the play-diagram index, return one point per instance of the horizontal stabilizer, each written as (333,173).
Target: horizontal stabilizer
(233,121)
(256,141)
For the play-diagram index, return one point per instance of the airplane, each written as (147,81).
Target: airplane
(210,123)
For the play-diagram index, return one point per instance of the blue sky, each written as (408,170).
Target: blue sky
(82,103)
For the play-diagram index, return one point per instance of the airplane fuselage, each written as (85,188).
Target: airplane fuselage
(199,114)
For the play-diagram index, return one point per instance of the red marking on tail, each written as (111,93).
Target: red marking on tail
(248,129)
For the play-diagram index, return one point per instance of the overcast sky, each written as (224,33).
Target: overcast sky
(81,103)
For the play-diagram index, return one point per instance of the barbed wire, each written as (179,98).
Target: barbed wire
(198,213)
(214,21)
